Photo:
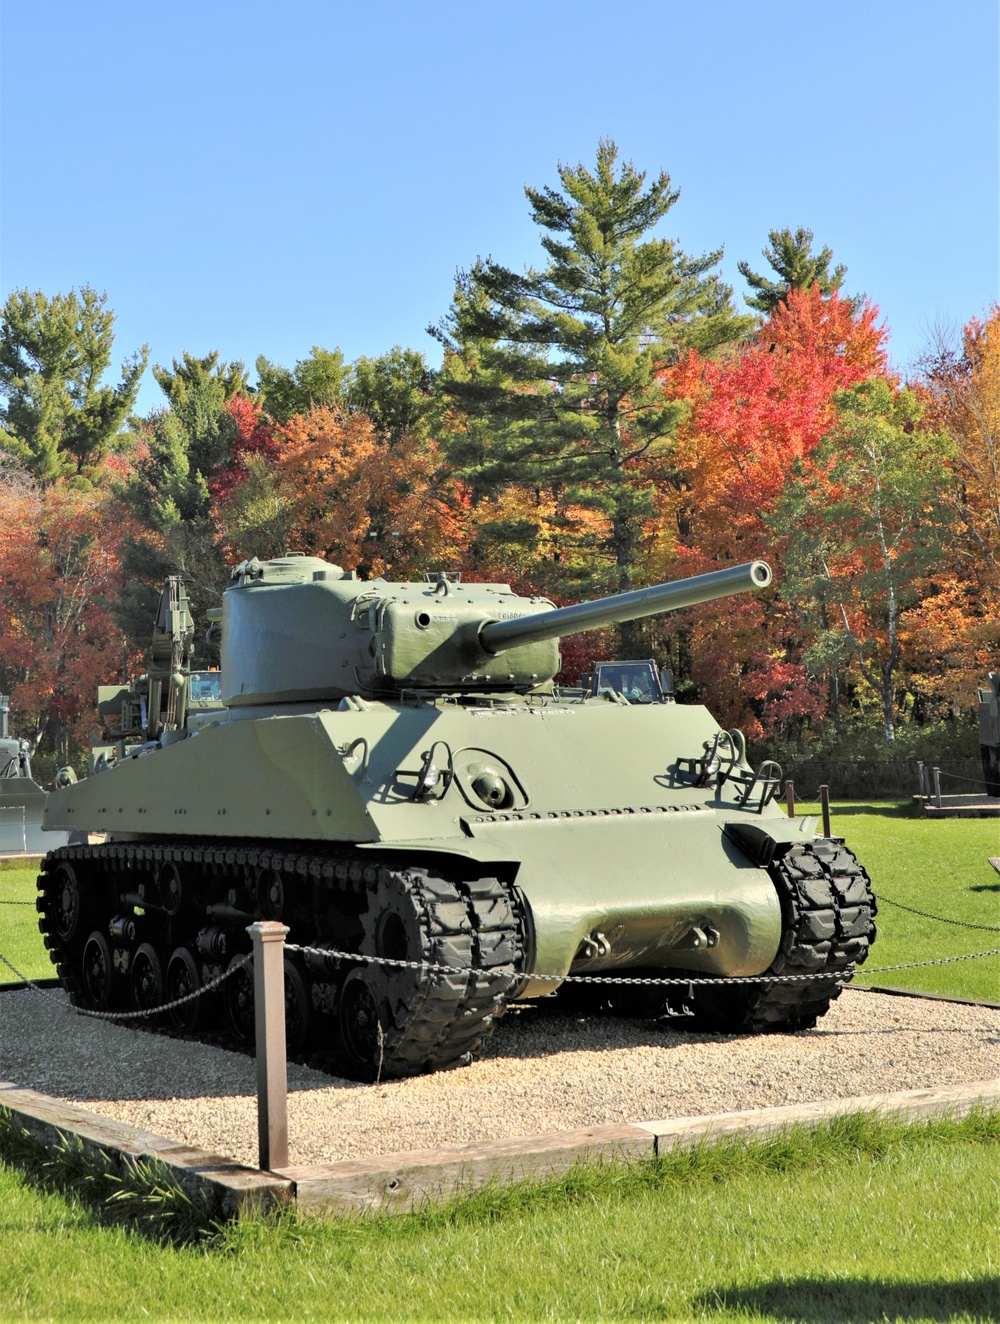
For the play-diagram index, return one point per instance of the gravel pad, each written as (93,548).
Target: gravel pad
(540,1072)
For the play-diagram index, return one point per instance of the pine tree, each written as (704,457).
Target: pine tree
(797,267)
(167,493)
(56,417)
(550,377)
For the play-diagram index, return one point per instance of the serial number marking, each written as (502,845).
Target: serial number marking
(520,712)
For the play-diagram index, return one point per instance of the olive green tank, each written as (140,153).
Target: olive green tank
(22,799)
(393,774)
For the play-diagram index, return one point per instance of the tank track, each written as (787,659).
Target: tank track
(828,911)
(135,925)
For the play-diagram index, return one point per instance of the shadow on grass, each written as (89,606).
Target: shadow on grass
(901,810)
(835,1301)
(985,887)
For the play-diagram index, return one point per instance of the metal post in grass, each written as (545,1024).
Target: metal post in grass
(269,1017)
(790,797)
(937,787)
(824,799)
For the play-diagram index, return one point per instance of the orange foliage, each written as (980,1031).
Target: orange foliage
(963,392)
(57,641)
(348,495)
(756,413)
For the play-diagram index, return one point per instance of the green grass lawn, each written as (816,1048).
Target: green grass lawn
(938,866)
(866,1221)
(20,941)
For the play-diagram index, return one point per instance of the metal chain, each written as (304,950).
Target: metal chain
(957,776)
(848,972)
(941,960)
(16,903)
(643,981)
(942,919)
(30,983)
(134,1015)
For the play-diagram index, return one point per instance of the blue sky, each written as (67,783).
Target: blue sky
(259,178)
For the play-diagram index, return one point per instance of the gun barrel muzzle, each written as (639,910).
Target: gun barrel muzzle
(496,636)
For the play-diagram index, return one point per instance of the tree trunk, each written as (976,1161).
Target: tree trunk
(834,689)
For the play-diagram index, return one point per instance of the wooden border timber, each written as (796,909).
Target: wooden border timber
(406,1181)
(229,1186)
(400,1182)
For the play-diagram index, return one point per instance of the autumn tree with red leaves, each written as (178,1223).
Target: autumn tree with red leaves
(755,416)
(58,641)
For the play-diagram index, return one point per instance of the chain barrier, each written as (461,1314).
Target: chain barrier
(941,919)
(16,903)
(957,777)
(131,1015)
(848,972)
(939,960)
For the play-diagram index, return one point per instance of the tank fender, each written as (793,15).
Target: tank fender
(760,842)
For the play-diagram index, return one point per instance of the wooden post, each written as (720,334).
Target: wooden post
(824,797)
(790,797)
(269,1016)
(937,786)
(920,777)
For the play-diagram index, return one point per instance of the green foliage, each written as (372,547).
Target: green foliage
(261,512)
(176,453)
(797,267)
(859,762)
(56,416)
(198,391)
(320,380)
(866,524)
(550,377)
(394,391)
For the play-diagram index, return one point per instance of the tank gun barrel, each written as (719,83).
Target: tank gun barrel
(496,636)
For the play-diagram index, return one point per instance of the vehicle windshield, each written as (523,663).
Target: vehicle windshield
(206,687)
(634,682)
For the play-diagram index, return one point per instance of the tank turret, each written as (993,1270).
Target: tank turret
(297,629)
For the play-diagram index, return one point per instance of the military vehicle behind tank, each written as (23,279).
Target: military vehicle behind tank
(170,696)
(989,731)
(22,799)
(637,681)
(393,776)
